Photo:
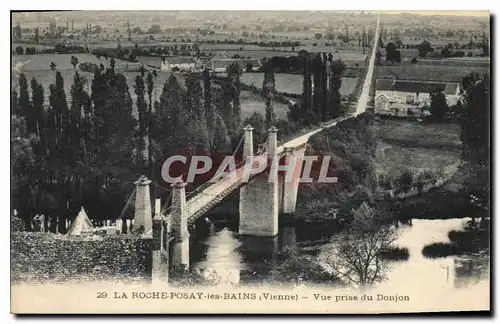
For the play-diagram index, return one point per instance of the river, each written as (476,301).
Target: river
(217,248)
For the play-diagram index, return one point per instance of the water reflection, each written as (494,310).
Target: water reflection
(249,259)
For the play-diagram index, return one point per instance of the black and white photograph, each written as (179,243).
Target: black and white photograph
(250,161)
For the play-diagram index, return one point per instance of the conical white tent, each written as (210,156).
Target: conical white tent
(81,223)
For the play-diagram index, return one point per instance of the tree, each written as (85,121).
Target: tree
(355,257)
(307,84)
(424,48)
(378,57)
(438,107)
(58,102)
(474,118)
(24,99)
(268,89)
(414,61)
(318,67)
(74,61)
(19,50)
(154,29)
(234,72)
(258,122)
(390,47)
(150,86)
(142,108)
(445,52)
(405,181)
(23,162)
(14,103)
(337,68)
(35,119)
(392,53)
(318,36)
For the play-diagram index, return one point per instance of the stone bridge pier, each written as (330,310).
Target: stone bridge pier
(180,230)
(262,199)
(289,181)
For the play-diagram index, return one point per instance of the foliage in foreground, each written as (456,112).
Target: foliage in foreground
(296,268)
(469,240)
(182,277)
(394,253)
(356,253)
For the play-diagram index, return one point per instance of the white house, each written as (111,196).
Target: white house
(406,97)
(181,63)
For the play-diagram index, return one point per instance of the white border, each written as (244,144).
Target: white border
(366,5)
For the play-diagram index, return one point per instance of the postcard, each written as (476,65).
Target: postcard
(250,162)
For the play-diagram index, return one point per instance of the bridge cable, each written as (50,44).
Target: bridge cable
(165,189)
(239,144)
(129,200)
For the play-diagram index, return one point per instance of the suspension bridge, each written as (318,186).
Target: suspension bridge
(261,198)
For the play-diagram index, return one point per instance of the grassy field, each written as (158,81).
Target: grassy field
(428,72)
(292,83)
(419,134)
(393,159)
(251,103)
(417,147)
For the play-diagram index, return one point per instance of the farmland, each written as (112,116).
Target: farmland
(251,103)
(422,135)
(392,159)
(428,72)
(416,147)
(292,83)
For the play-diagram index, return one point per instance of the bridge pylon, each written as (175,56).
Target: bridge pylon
(180,251)
(259,198)
(248,141)
(143,214)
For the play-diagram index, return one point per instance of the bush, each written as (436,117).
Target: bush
(414,61)
(439,250)
(286,128)
(299,268)
(19,50)
(406,180)
(468,241)
(472,240)
(395,253)
(183,277)
(16,224)
(88,67)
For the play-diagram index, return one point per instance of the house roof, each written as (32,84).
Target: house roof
(415,86)
(382,95)
(224,63)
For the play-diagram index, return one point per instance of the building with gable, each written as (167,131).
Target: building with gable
(407,97)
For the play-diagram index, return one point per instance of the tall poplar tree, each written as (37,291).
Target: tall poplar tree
(268,89)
